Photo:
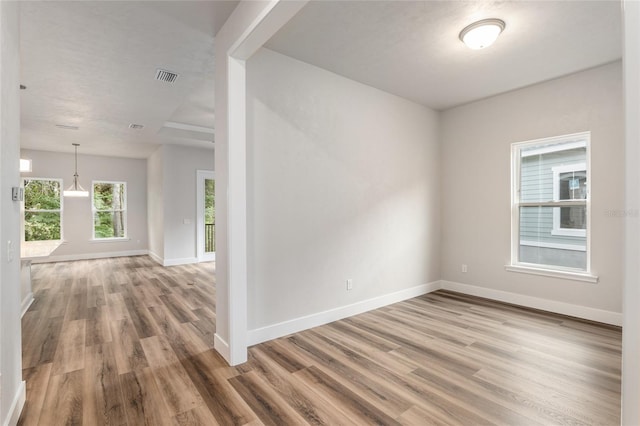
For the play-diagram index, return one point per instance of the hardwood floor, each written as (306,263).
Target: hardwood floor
(127,342)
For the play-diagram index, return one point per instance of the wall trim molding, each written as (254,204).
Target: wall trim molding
(180,261)
(221,346)
(295,325)
(88,256)
(16,405)
(172,262)
(26,303)
(155,257)
(584,312)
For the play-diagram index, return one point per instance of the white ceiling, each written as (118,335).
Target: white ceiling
(92,64)
(411,48)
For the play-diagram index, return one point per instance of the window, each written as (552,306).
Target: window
(42,209)
(550,204)
(109,210)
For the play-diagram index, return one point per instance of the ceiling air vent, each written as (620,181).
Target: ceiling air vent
(166,76)
(135,126)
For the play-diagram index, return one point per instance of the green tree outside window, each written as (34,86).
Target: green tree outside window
(109,210)
(209,215)
(42,209)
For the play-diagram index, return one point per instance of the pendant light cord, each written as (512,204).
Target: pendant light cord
(75,190)
(75,175)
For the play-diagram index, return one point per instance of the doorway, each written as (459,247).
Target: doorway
(206,207)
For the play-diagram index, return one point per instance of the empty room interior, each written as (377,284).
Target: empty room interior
(320,212)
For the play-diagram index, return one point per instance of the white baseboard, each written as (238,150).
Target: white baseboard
(222,347)
(295,325)
(208,257)
(172,262)
(584,312)
(155,257)
(183,261)
(87,256)
(16,405)
(26,302)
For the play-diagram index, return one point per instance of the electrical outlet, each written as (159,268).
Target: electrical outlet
(464,268)
(349,284)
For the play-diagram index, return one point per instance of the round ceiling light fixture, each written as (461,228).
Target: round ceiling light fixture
(482,34)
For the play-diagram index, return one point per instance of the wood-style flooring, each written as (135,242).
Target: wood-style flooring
(128,342)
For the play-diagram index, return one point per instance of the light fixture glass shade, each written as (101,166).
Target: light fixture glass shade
(25,165)
(482,34)
(75,190)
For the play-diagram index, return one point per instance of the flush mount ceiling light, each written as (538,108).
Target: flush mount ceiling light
(75,190)
(482,34)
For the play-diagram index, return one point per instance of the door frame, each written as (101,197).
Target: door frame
(201,177)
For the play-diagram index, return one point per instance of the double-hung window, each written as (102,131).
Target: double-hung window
(109,210)
(42,209)
(550,205)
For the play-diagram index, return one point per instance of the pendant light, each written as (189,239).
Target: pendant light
(75,190)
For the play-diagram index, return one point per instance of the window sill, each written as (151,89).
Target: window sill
(109,240)
(569,275)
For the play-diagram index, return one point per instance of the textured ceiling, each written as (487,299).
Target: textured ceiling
(411,48)
(93,64)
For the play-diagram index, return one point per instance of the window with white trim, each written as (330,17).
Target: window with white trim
(109,210)
(550,203)
(42,209)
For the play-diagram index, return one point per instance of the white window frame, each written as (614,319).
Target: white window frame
(24,208)
(570,141)
(567,168)
(94,211)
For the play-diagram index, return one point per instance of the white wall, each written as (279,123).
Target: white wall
(631,295)
(343,183)
(12,391)
(155,204)
(172,209)
(476,142)
(180,215)
(77,216)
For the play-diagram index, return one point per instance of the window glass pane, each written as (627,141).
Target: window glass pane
(574,217)
(552,171)
(109,224)
(536,172)
(537,244)
(40,226)
(41,194)
(109,204)
(108,196)
(42,209)
(573,185)
(209,215)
